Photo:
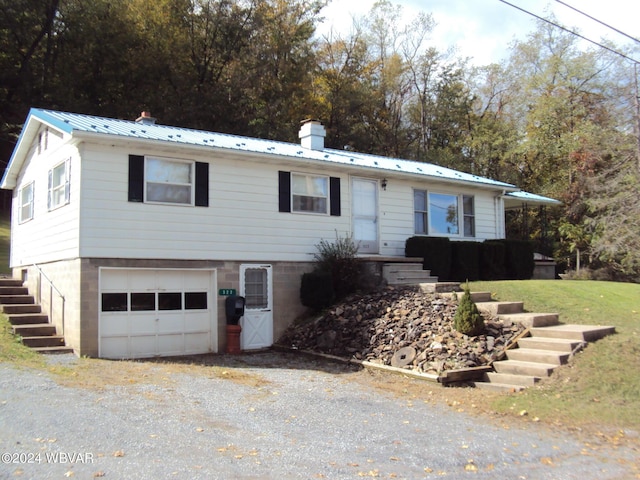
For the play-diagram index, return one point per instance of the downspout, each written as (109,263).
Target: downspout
(500,214)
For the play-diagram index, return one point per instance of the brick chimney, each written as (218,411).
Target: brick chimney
(312,134)
(145,118)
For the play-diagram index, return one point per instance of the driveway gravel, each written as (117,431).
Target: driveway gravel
(294,418)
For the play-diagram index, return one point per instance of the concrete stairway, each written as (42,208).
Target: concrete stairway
(545,346)
(27,319)
(406,274)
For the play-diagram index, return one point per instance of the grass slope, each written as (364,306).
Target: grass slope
(601,385)
(5,235)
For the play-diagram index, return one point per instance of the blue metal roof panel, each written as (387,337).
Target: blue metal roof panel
(69,122)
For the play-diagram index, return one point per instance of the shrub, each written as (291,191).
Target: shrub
(339,259)
(467,319)
(465,261)
(492,260)
(436,254)
(316,290)
(519,259)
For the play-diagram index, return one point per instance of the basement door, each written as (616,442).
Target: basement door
(256,286)
(365,214)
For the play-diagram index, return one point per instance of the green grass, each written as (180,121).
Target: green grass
(601,385)
(12,350)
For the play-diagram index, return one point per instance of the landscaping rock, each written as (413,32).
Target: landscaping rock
(403,327)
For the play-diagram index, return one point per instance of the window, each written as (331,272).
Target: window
(195,300)
(468,209)
(114,302)
(439,214)
(305,193)
(420,212)
(168,181)
(59,185)
(143,302)
(310,193)
(256,284)
(26,203)
(165,180)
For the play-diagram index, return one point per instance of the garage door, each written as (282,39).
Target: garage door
(148,313)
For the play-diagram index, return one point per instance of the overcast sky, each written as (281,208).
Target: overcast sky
(483,29)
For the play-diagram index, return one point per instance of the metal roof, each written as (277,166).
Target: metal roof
(518,199)
(70,123)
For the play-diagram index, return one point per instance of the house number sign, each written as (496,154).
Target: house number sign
(227,291)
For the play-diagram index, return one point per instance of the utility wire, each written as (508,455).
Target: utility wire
(599,21)
(572,32)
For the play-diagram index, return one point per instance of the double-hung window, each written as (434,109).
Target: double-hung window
(468,209)
(310,193)
(26,203)
(443,214)
(58,192)
(169,181)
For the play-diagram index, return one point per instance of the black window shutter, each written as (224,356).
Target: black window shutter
(136,178)
(284,191)
(334,196)
(202,184)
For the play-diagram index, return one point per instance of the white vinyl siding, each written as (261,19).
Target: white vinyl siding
(52,234)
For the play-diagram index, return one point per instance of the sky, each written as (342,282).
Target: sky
(483,29)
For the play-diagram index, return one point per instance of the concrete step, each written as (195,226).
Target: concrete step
(410,277)
(53,350)
(499,387)
(16,299)
(532,319)
(36,329)
(499,308)
(555,344)
(17,308)
(38,341)
(510,379)
(10,282)
(393,267)
(27,318)
(585,333)
(14,290)
(518,367)
(538,356)
(476,297)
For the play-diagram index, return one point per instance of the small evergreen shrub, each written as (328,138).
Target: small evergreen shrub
(316,290)
(467,319)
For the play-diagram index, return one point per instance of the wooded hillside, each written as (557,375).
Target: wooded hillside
(553,118)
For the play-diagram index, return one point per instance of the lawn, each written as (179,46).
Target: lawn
(601,385)
(5,232)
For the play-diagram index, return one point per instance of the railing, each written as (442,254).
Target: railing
(52,289)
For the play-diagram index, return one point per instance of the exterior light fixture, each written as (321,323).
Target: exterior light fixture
(384,184)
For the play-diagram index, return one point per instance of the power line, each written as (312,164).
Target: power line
(599,21)
(572,32)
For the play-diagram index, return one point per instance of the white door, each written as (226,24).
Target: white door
(256,286)
(365,214)
(156,312)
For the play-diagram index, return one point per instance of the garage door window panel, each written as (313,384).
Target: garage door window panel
(170,301)
(143,302)
(195,301)
(114,302)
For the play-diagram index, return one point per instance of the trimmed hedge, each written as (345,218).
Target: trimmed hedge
(435,252)
(466,260)
(492,260)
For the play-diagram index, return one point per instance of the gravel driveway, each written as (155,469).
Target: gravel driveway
(296,418)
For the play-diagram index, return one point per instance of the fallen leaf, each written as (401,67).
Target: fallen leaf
(118,453)
(70,473)
(199,429)
(99,474)
(546,461)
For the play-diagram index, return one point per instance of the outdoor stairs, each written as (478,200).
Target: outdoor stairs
(406,274)
(544,346)
(27,319)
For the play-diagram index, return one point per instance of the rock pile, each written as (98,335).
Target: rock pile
(401,327)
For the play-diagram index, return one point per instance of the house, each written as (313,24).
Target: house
(139,230)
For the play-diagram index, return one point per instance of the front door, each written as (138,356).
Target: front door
(365,215)
(256,286)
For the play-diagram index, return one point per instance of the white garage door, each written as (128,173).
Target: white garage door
(148,313)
